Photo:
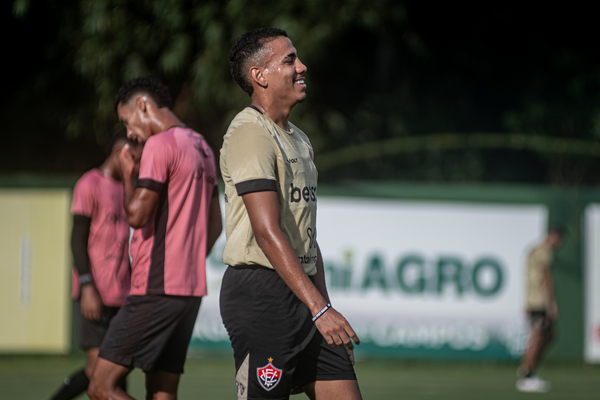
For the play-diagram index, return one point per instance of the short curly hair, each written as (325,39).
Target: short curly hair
(119,136)
(145,84)
(245,49)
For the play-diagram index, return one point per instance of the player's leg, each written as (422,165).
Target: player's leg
(528,380)
(73,386)
(531,354)
(333,390)
(161,385)
(90,335)
(162,382)
(547,337)
(105,383)
(324,372)
(91,355)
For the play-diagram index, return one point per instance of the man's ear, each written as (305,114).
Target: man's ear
(141,103)
(257,75)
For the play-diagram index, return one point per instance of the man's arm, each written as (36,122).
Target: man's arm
(549,297)
(263,210)
(215,223)
(91,302)
(139,203)
(320,276)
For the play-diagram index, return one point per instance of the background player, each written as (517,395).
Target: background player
(100,244)
(542,309)
(175,211)
(274,301)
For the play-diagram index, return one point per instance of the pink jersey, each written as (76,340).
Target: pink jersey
(169,253)
(101,198)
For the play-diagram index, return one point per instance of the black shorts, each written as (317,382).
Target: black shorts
(152,332)
(540,321)
(91,333)
(276,346)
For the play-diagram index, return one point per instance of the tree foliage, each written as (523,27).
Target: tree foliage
(379,81)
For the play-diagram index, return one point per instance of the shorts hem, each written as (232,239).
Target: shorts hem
(125,361)
(262,398)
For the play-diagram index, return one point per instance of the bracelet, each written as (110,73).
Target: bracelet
(85,279)
(317,315)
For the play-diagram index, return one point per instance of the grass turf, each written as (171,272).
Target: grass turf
(212,378)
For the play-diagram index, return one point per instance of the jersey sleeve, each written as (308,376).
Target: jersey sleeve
(251,159)
(83,197)
(154,165)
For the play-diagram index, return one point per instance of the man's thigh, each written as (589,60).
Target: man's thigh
(333,390)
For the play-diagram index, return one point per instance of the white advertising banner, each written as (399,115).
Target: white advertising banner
(592,283)
(417,279)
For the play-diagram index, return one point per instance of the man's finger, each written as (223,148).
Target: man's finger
(350,355)
(352,335)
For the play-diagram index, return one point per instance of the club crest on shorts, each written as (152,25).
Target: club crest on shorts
(268,376)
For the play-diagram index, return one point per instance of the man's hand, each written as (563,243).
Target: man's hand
(127,163)
(337,331)
(91,303)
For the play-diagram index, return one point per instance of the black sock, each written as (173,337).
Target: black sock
(73,386)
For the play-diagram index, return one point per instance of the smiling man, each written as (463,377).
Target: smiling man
(285,335)
(175,212)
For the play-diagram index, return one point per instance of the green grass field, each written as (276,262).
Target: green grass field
(211,378)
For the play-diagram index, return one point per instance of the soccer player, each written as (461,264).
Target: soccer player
(176,215)
(542,309)
(285,335)
(100,243)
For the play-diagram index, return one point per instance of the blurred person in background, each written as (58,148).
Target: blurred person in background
(175,212)
(100,245)
(285,335)
(542,309)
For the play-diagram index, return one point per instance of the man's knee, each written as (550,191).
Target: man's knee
(95,392)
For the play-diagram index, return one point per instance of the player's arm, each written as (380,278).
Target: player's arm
(215,222)
(91,302)
(549,296)
(139,202)
(320,276)
(263,210)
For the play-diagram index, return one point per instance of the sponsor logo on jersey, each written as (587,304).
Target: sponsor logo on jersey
(307,193)
(292,160)
(269,375)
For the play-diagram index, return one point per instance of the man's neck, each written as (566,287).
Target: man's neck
(163,120)
(279,114)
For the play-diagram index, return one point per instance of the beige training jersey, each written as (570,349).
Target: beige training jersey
(258,155)
(539,259)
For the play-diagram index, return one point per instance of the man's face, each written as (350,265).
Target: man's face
(132,115)
(285,72)
(555,239)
